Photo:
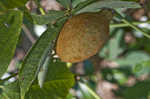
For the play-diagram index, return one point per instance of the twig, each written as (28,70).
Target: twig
(28,33)
(136,28)
(126,25)
(132,25)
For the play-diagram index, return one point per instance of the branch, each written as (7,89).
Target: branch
(132,25)
(28,33)
(126,25)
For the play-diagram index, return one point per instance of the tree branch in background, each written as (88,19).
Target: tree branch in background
(28,33)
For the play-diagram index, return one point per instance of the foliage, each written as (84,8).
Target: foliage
(10,24)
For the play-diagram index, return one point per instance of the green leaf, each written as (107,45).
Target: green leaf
(50,17)
(11,91)
(76,2)
(65,3)
(133,58)
(87,92)
(70,96)
(43,71)
(113,47)
(142,68)
(96,6)
(119,76)
(9,4)
(147,5)
(10,26)
(130,0)
(139,91)
(37,55)
(58,82)
(83,5)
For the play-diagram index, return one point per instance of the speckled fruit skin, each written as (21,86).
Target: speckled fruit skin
(83,36)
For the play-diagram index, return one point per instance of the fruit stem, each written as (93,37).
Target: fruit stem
(132,25)
(126,25)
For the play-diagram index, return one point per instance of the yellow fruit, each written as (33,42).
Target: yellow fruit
(83,36)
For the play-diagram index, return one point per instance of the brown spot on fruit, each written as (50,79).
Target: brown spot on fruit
(83,36)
